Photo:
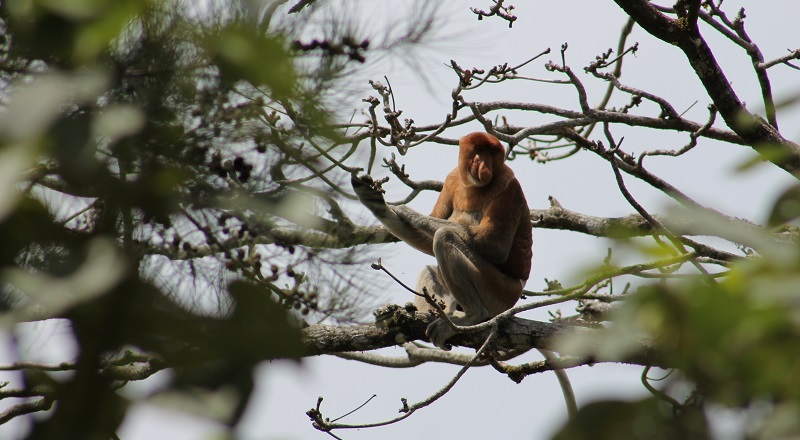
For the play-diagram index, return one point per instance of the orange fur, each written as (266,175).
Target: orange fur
(483,194)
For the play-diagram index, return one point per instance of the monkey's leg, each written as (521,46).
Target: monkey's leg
(477,285)
(431,280)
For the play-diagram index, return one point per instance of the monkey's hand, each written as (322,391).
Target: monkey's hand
(369,192)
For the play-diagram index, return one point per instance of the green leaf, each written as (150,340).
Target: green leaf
(786,207)
(647,419)
(244,54)
(48,296)
(37,104)
(74,32)
(117,121)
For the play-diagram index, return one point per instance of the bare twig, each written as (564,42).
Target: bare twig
(354,410)
(322,424)
(657,226)
(623,38)
(712,114)
(437,305)
(498,9)
(519,372)
(793,55)
(300,5)
(655,391)
(667,111)
(752,49)
(416,187)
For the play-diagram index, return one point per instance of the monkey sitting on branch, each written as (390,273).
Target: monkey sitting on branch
(479,232)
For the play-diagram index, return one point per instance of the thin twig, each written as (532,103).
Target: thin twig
(498,9)
(623,38)
(712,114)
(655,391)
(793,55)
(657,226)
(355,409)
(319,422)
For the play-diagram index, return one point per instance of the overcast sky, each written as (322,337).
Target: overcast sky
(485,404)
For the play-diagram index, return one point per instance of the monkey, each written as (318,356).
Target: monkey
(479,231)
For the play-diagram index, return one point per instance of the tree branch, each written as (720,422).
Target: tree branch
(516,334)
(42,404)
(757,132)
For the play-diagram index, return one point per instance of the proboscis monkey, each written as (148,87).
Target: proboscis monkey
(479,232)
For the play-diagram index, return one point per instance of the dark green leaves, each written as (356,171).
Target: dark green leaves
(243,54)
(647,419)
(69,32)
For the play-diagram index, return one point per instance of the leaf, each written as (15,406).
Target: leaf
(786,207)
(704,329)
(616,341)
(646,420)
(218,405)
(49,296)
(73,32)
(766,153)
(750,235)
(15,160)
(118,121)
(244,54)
(111,18)
(36,105)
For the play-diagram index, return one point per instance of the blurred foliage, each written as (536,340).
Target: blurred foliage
(648,419)
(152,152)
(731,341)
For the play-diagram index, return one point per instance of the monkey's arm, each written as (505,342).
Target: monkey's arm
(494,235)
(404,223)
(444,204)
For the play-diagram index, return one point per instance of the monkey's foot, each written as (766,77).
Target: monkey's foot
(438,332)
(368,190)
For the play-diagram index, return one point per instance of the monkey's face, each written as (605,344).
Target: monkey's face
(480,159)
(480,168)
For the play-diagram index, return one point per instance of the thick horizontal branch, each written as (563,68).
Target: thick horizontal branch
(555,217)
(632,225)
(516,334)
(283,236)
(417,354)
